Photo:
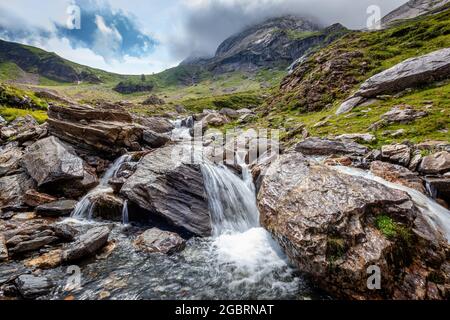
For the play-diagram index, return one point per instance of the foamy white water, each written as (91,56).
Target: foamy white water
(182,129)
(437,215)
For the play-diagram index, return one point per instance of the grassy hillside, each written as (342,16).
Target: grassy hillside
(317,87)
(17,59)
(333,73)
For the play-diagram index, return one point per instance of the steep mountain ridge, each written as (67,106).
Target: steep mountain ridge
(276,42)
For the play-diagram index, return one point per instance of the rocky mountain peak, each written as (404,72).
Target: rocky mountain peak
(265,32)
(276,42)
(412,9)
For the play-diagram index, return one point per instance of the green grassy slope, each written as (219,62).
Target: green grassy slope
(314,92)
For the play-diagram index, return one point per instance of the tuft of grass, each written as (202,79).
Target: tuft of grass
(387,226)
(393,230)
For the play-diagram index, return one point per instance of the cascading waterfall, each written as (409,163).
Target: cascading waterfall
(84,208)
(438,216)
(240,244)
(232,202)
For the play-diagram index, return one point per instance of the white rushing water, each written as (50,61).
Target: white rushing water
(239,241)
(182,129)
(438,216)
(84,208)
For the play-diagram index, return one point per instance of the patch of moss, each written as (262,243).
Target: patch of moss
(12,96)
(10,114)
(336,248)
(393,230)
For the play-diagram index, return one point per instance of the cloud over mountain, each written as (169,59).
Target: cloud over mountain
(206,23)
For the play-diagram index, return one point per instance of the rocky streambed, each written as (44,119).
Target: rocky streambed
(99,204)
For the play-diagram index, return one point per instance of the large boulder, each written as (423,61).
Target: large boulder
(169,185)
(435,163)
(158,241)
(106,131)
(334,226)
(410,73)
(13,188)
(50,161)
(154,139)
(56,168)
(324,147)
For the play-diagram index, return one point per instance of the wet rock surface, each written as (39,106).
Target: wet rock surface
(31,286)
(86,244)
(158,241)
(329,224)
(57,208)
(155,140)
(167,184)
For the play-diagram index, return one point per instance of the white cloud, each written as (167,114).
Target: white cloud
(107,40)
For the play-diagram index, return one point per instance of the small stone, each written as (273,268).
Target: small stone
(33,198)
(3,249)
(397,153)
(155,240)
(364,137)
(86,245)
(31,287)
(48,260)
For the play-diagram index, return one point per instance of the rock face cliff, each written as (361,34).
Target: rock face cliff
(412,9)
(273,43)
